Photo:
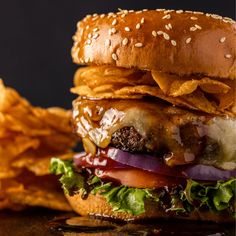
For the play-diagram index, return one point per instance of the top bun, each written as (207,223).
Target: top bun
(179,42)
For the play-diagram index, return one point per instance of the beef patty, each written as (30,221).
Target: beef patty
(139,126)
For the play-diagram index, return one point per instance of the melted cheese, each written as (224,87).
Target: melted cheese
(224,132)
(188,137)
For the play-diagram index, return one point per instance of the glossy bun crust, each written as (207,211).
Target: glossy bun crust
(179,42)
(97,205)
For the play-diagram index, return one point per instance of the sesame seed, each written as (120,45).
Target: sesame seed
(89,35)
(216,16)
(166,16)
(222,39)
(188,11)
(113,30)
(208,15)
(95,36)
(95,18)
(166,36)
(138,12)
(169,26)
(127,29)
(87,27)
(114,22)
(198,27)
(227,56)
(198,12)
(173,42)
(193,28)
(86,60)
(138,45)
(227,18)
(159,32)
(138,26)
(154,33)
(125,41)
(88,16)
(188,40)
(179,11)
(145,9)
(193,18)
(109,32)
(130,11)
(114,56)
(102,16)
(95,14)
(123,15)
(167,11)
(160,9)
(142,21)
(108,42)
(226,21)
(125,11)
(95,29)
(119,9)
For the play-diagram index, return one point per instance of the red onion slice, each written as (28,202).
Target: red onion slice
(211,173)
(153,164)
(113,158)
(143,161)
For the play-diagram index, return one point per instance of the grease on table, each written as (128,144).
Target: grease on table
(40,221)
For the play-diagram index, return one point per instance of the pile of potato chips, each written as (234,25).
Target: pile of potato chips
(211,95)
(29,137)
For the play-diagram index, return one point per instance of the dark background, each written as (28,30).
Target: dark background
(36,38)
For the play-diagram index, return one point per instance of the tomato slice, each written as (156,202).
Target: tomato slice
(138,178)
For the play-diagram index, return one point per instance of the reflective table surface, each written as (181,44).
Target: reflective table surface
(37,222)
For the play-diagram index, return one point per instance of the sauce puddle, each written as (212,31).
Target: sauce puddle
(91,225)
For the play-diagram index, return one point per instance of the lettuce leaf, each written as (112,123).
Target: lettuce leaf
(216,196)
(71,181)
(125,199)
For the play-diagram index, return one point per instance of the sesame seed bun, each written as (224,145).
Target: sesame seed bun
(98,206)
(179,42)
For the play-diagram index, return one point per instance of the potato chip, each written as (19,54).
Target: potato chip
(98,76)
(175,86)
(29,137)
(5,202)
(229,99)
(106,82)
(31,190)
(8,97)
(39,165)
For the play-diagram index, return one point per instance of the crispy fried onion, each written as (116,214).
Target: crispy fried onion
(29,137)
(200,93)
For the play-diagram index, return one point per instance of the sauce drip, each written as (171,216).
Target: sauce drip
(181,136)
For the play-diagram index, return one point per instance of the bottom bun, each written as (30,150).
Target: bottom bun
(96,205)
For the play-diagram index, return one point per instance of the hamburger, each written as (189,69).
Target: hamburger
(156,115)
